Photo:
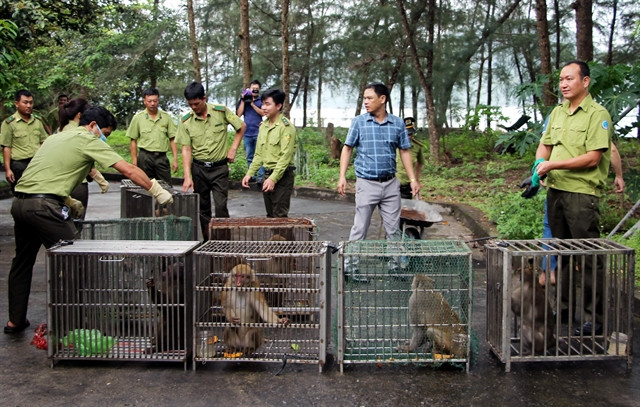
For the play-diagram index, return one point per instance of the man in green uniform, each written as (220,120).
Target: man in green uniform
(52,123)
(39,210)
(275,149)
(153,131)
(417,158)
(575,153)
(20,136)
(202,134)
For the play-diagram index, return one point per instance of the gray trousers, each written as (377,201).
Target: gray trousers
(371,195)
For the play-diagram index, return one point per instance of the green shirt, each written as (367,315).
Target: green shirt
(570,135)
(52,119)
(275,147)
(63,161)
(417,155)
(23,137)
(152,135)
(208,137)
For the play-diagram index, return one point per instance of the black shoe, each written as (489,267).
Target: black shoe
(16,329)
(588,329)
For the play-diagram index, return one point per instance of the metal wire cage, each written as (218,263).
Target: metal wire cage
(261,229)
(402,301)
(125,300)
(527,321)
(162,228)
(261,302)
(136,202)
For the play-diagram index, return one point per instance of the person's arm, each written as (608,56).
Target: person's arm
(616,163)
(240,108)
(405,156)
(345,158)
(174,151)
(588,160)
(231,154)
(186,166)
(257,109)
(138,177)
(6,153)
(133,147)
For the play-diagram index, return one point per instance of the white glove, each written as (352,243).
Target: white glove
(76,209)
(162,195)
(103,183)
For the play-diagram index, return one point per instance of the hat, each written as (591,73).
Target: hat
(410,125)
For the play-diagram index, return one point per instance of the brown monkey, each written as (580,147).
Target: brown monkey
(243,307)
(433,318)
(170,299)
(528,304)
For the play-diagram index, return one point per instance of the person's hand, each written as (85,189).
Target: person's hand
(342,186)
(103,183)
(76,209)
(245,181)
(247,95)
(174,165)
(187,184)
(619,184)
(162,195)
(415,187)
(530,190)
(268,185)
(10,176)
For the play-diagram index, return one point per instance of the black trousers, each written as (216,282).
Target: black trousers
(278,201)
(208,181)
(37,221)
(155,165)
(18,167)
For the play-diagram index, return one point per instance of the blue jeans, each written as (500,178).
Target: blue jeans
(546,234)
(250,150)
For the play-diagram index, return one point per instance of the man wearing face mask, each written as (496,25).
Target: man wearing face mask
(42,209)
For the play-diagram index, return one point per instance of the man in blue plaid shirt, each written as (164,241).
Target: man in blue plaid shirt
(376,135)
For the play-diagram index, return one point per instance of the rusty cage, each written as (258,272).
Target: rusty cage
(136,202)
(528,321)
(125,300)
(162,228)
(404,301)
(261,229)
(231,321)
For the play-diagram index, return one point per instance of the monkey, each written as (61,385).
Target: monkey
(529,304)
(168,297)
(245,307)
(433,318)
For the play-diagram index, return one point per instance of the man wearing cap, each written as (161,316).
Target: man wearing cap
(42,210)
(20,136)
(275,150)
(417,158)
(152,131)
(575,153)
(203,136)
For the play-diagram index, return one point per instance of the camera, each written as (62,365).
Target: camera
(247,95)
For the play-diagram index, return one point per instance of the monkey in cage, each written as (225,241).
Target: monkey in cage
(243,306)
(169,297)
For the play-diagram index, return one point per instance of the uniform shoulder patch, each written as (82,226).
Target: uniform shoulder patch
(605,125)
(37,116)
(10,119)
(220,108)
(285,121)
(187,116)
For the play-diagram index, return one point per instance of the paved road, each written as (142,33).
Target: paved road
(27,378)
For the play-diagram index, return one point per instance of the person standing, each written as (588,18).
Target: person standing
(417,158)
(52,124)
(575,153)
(153,131)
(250,106)
(203,136)
(41,207)
(275,150)
(21,134)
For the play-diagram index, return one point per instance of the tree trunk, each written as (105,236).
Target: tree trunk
(556,10)
(286,86)
(245,44)
(614,13)
(319,105)
(544,47)
(584,29)
(193,41)
(305,92)
(363,83)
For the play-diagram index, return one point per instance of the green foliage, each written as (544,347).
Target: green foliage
(520,141)
(617,88)
(483,112)
(468,145)
(516,217)
(632,242)
(8,54)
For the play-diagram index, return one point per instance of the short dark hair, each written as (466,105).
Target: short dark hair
(62,95)
(150,92)
(276,94)
(70,109)
(584,68)
(21,93)
(194,90)
(380,89)
(255,82)
(100,115)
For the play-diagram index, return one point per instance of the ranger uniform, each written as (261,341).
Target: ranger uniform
(23,137)
(275,151)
